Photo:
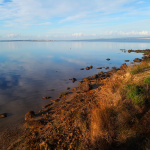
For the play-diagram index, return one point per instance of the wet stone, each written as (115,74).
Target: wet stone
(123,66)
(87,68)
(4,115)
(73,79)
(95,76)
(82,69)
(46,97)
(29,115)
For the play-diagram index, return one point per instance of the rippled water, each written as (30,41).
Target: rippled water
(31,70)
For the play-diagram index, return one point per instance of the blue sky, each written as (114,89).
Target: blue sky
(74,19)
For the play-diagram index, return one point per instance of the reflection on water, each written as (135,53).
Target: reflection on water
(30,70)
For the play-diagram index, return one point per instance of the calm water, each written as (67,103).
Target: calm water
(31,70)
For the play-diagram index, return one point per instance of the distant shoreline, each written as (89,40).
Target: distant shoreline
(100,39)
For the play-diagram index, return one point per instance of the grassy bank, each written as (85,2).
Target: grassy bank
(106,111)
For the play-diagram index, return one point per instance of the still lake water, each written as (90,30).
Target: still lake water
(31,70)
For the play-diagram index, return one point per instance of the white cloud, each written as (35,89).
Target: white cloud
(131,33)
(77,34)
(33,10)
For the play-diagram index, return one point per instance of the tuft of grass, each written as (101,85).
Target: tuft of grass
(147,80)
(135,93)
(136,70)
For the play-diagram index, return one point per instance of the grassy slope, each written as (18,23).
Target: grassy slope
(114,114)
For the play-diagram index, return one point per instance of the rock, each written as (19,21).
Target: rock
(46,97)
(87,68)
(29,115)
(80,82)
(100,73)
(91,67)
(126,60)
(99,68)
(82,69)
(68,88)
(86,79)
(46,105)
(85,87)
(4,115)
(95,76)
(107,68)
(137,60)
(123,66)
(108,59)
(73,79)
(55,100)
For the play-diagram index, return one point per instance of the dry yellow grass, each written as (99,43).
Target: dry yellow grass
(115,119)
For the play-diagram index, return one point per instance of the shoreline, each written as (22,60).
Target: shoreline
(83,96)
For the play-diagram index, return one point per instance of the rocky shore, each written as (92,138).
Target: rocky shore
(97,114)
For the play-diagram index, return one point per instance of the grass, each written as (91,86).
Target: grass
(135,93)
(138,68)
(147,81)
(121,119)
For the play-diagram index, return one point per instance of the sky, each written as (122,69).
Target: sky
(73,19)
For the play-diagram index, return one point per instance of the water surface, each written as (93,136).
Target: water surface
(30,70)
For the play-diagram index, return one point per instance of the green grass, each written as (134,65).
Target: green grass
(136,70)
(147,80)
(136,94)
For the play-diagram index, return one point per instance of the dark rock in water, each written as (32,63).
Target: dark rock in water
(123,66)
(95,76)
(4,115)
(55,100)
(29,115)
(108,59)
(73,79)
(91,67)
(46,105)
(87,68)
(126,60)
(68,88)
(137,60)
(100,73)
(107,68)
(99,68)
(82,69)
(46,97)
